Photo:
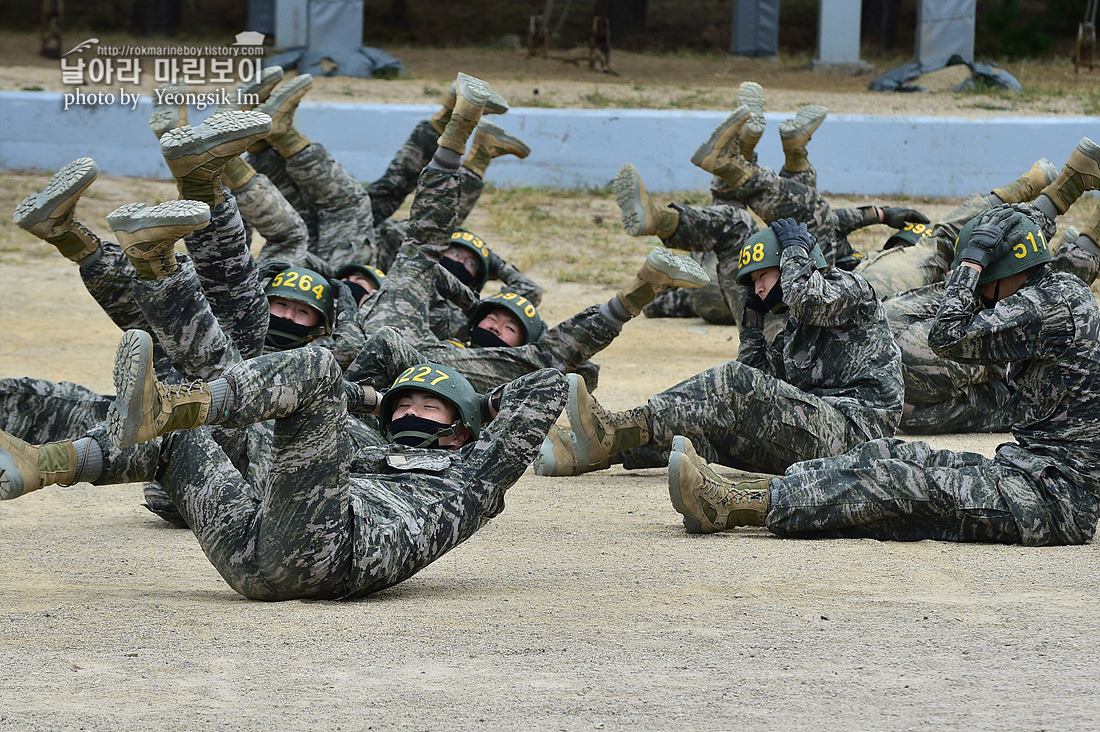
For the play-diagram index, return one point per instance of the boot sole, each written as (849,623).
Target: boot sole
(628,194)
(751,95)
(131,368)
(472,89)
(546,465)
(683,271)
(737,117)
(287,92)
(691,524)
(507,139)
(11,478)
(69,182)
(167,217)
(805,122)
(217,136)
(166,117)
(1090,149)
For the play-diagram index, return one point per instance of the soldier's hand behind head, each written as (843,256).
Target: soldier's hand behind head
(896,217)
(271,267)
(988,242)
(791,233)
(344,304)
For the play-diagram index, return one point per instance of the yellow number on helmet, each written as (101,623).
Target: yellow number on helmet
(758,251)
(306,283)
(319,291)
(278,280)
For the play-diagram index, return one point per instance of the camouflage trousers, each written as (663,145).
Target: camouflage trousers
(272,165)
(326,523)
(40,411)
(947,396)
(286,237)
(740,417)
(391,234)
(906,491)
(344,222)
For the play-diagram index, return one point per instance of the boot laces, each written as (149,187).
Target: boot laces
(170,393)
(725,495)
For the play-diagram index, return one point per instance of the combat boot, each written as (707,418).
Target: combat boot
(236,173)
(1028,186)
(495,104)
(662,270)
(707,501)
(599,433)
(1080,173)
(556,458)
(145,408)
(281,106)
(472,94)
(721,154)
(252,93)
(148,234)
(1091,229)
(751,95)
(795,134)
(168,116)
(25,468)
(640,216)
(491,142)
(49,214)
(196,155)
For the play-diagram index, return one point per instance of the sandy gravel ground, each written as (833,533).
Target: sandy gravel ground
(584,606)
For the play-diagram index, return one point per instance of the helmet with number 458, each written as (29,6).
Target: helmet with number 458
(761,250)
(443,382)
(1032,251)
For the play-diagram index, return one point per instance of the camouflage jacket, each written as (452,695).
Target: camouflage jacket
(837,345)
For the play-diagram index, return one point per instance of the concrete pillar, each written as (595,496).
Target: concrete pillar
(838,28)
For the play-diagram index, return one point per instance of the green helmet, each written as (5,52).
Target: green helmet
(373,274)
(307,287)
(1032,251)
(909,235)
(443,382)
(761,250)
(518,306)
(477,245)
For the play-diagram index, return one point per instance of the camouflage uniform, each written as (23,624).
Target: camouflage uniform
(949,396)
(286,236)
(327,522)
(272,165)
(1044,489)
(39,411)
(344,221)
(904,268)
(829,381)
(393,187)
(403,303)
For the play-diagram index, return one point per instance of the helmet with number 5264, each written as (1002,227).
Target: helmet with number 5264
(443,382)
(1032,251)
(309,288)
(761,250)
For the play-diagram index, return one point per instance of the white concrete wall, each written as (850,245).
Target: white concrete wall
(577,148)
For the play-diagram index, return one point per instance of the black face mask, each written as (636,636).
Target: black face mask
(486,339)
(357,291)
(283,334)
(991,302)
(418,432)
(458,270)
(773,303)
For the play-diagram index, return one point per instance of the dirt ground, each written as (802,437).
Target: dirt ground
(584,606)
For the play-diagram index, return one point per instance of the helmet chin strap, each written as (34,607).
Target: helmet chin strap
(416,431)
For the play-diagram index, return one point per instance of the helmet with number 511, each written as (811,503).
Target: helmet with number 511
(1030,252)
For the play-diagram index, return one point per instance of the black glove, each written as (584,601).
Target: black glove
(490,404)
(896,217)
(987,241)
(791,233)
(271,267)
(343,302)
